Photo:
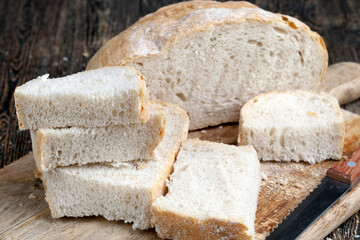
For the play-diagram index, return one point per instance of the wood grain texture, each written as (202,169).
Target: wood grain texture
(283,187)
(59,36)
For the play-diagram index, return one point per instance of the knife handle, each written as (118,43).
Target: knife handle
(346,171)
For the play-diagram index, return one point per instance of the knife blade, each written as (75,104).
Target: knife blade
(339,179)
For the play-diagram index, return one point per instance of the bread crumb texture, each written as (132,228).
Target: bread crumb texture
(210,58)
(101,97)
(209,196)
(293,125)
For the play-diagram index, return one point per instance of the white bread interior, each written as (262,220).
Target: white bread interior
(114,143)
(210,58)
(101,97)
(212,193)
(124,191)
(293,125)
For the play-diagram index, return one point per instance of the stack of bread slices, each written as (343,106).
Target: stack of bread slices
(100,147)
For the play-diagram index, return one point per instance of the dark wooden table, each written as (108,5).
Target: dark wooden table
(59,37)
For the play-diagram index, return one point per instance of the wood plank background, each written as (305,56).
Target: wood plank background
(59,37)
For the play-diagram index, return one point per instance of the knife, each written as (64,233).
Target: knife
(339,179)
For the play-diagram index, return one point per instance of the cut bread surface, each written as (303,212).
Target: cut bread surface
(114,143)
(124,191)
(212,193)
(293,125)
(101,97)
(210,58)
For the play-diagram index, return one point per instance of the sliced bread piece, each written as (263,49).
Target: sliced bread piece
(210,57)
(212,193)
(293,125)
(123,192)
(107,96)
(114,143)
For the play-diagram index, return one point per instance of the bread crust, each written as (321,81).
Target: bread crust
(37,140)
(144,96)
(20,116)
(159,189)
(155,33)
(177,226)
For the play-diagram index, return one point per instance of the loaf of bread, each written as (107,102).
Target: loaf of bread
(210,58)
(114,143)
(293,125)
(122,192)
(102,97)
(212,193)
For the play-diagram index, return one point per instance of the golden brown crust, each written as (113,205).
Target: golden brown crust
(37,139)
(159,189)
(143,95)
(342,128)
(175,226)
(20,116)
(156,32)
(163,125)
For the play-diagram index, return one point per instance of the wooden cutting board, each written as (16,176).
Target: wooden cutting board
(24,213)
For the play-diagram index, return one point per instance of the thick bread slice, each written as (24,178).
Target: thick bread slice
(114,143)
(107,96)
(125,192)
(294,125)
(212,193)
(210,58)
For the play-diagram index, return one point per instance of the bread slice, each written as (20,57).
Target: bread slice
(212,193)
(114,143)
(124,192)
(293,125)
(210,58)
(107,96)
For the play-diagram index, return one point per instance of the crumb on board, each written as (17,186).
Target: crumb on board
(297,185)
(85,54)
(203,131)
(32,196)
(264,176)
(283,181)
